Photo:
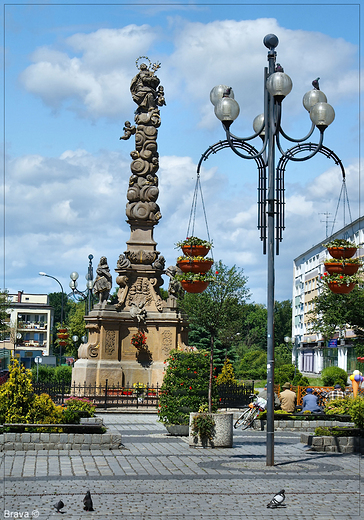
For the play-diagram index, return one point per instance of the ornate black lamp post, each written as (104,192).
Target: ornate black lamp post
(87,293)
(277,85)
(62,305)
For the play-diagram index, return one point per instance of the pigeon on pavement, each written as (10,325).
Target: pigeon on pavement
(59,506)
(87,502)
(277,500)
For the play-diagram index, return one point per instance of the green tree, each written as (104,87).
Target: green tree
(227,375)
(282,321)
(4,318)
(76,327)
(185,386)
(337,312)
(253,365)
(215,308)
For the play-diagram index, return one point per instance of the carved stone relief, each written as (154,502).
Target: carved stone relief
(167,343)
(110,340)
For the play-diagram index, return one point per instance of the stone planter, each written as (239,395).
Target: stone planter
(222,437)
(333,444)
(181,430)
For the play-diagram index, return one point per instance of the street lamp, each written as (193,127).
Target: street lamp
(277,85)
(87,293)
(49,276)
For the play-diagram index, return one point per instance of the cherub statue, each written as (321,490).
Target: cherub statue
(128,130)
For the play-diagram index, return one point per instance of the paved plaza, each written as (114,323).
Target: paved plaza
(154,476)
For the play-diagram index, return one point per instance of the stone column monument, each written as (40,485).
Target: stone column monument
(140,317)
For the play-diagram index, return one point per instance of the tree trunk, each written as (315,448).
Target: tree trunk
(211,372)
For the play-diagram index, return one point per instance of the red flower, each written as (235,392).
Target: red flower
(341,276)
(216,272)
(190,387)
(325,273)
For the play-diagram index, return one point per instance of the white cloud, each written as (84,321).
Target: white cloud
(91,74)
(90,85)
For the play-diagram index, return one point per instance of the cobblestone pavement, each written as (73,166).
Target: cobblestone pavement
(159,477)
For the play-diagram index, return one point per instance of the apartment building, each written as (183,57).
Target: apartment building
(312,354)
(30,319)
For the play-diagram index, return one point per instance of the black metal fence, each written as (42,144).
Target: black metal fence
(230,396)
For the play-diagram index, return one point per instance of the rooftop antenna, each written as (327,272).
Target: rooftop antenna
(327,214)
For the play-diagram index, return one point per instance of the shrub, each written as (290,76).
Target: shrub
(289,373)
(203,426)
(253,365)
(333,375)
(78,407)
(338,406)
(357,411)
(44,411)
(63,373)
(45,374)
(185,386)
(227,375)
(16,395)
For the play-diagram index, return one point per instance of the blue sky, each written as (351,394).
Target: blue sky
(67,75)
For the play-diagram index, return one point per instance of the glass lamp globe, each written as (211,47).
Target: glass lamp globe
(217,93)
(74,275)
(322,115)
(258,124)
(312,97)
(227,109)
(279,85)
(73,284)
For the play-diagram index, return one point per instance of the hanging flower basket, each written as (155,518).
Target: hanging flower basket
(340,283)
(195,250)
(62,336)
(197,264)
(341,289)
(62,343)
(194,246)
(342,252)
(342,267)
(195,282)
(194,287)
(340,248)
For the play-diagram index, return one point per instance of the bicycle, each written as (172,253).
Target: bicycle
(247,418)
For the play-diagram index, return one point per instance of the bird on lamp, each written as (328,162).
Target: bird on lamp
(277,500)
(279,68)
(315,84)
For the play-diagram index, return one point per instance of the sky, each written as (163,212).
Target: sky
(67,73)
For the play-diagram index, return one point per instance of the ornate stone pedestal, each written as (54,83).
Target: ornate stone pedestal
(109,353)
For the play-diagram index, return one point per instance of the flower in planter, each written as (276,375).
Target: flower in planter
(344,261)
(338,242)
(196,277)
(339,279)
(194,241)
(139,340)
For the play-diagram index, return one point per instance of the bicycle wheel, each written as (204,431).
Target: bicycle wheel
(244,420)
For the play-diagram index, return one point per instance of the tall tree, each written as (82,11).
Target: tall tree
(218,305)
(337,312)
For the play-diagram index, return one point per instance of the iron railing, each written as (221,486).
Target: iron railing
(116,396)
